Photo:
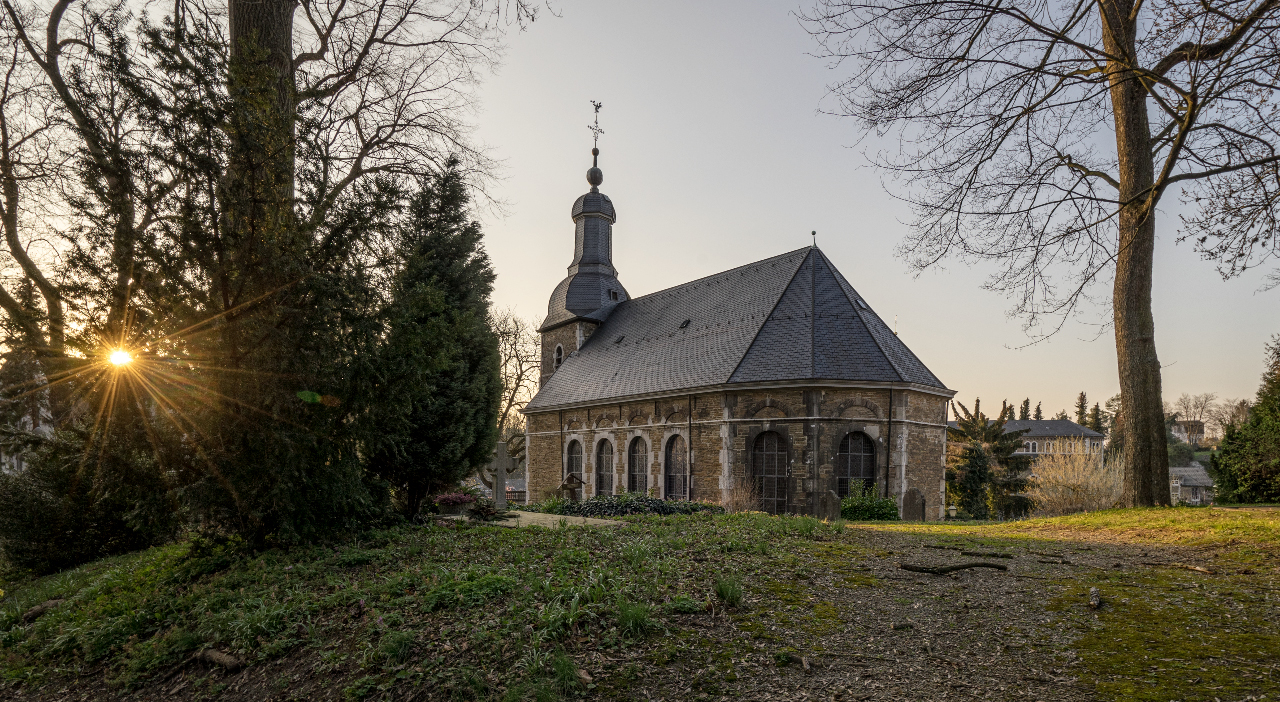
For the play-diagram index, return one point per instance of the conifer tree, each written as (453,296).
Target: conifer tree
(1095,418)
(987,475)
(1246,467)
(1024,412)
(1082,408)
(441,373)
(1039,412)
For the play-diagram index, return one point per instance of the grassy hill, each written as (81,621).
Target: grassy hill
(686,606)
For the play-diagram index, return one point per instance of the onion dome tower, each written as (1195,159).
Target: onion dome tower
(591,290)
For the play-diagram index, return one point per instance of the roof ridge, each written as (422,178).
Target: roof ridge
(854,303)
(754,337)
(713,275)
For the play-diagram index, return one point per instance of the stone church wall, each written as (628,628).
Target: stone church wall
(721,428)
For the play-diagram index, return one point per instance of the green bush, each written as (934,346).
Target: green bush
(619,506)
(74,502)
(866,506)
(635,619)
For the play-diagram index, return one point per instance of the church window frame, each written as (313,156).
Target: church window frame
(771,471)
(558,357)
(604,467)
(855,463)
(638,466)
(676,469)
(573,459)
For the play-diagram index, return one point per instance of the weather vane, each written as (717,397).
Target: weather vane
(596,131)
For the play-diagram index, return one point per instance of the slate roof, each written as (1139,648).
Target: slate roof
(1193,475)
(1037,428)
(790,317)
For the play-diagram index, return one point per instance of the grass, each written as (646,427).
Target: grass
(446,607)
(410,605)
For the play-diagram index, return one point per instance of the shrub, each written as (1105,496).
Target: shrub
(742,497)
(620,506)
(866,506)
(729,590)
(1075,481)
(74,502)
(454,498)
(471,591)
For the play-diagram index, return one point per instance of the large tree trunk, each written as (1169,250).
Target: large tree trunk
(1146,461)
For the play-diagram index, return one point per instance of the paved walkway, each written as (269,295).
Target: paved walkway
(550,521)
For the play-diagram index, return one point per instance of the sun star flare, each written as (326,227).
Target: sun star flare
(120,357)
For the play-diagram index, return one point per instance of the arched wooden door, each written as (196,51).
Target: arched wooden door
(604,469)
(855,464)
(769,470)
(638,466)
(677,472)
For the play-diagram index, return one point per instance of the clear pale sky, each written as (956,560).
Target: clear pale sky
(715,155)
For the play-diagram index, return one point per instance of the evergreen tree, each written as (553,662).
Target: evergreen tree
(1062,414)
(1246,467)
(1082,409)
(986,474)
(1039,412)
(1024,412)
(441,372)
(1095,418)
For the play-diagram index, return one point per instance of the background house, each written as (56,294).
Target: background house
(1046,436)
(1190,485)
(1189,430)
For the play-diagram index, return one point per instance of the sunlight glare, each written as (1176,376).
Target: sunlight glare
(120,357)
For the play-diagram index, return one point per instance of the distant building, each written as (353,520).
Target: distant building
(1189,430)
(1190,485)
(1045,436)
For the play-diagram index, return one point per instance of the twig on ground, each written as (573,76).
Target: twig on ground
(1055,561)
(943,570)
(943,548)
(1197,569)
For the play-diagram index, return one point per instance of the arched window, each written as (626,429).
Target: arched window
(1035,447)
(638,466)
(573,462)
(677,463)
(1026,446)
(604,469)
(855,464)
(559,357)
(769,471)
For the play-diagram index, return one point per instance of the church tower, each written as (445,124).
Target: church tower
(589,293)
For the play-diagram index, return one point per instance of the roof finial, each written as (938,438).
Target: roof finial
(595,176)
(815,238)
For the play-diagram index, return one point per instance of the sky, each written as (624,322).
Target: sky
(715,154)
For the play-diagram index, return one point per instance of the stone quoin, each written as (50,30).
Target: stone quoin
(776,377)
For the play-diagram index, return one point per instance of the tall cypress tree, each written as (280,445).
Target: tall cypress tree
(1039,412)
(439,366)
(1024,412)
(1095,418)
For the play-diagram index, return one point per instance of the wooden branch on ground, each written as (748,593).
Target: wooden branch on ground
(943,570)
(1197,569)
(39,610)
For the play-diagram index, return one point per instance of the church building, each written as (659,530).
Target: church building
(773,380)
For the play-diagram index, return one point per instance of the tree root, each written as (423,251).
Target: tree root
(986,554)
(943,570)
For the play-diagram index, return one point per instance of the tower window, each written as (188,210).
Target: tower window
(559,356)
(613,294)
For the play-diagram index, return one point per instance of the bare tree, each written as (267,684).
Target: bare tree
(1043,136)
(1195,408)
(1226,414)
(520,352)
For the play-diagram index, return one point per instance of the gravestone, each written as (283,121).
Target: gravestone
(500,466)
(913,506)
(828,506)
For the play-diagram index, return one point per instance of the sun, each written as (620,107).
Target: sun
(120,357)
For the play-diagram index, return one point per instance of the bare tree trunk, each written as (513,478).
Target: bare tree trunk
(261,33)
(1146,469)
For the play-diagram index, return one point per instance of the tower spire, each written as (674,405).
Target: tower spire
(594,175)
